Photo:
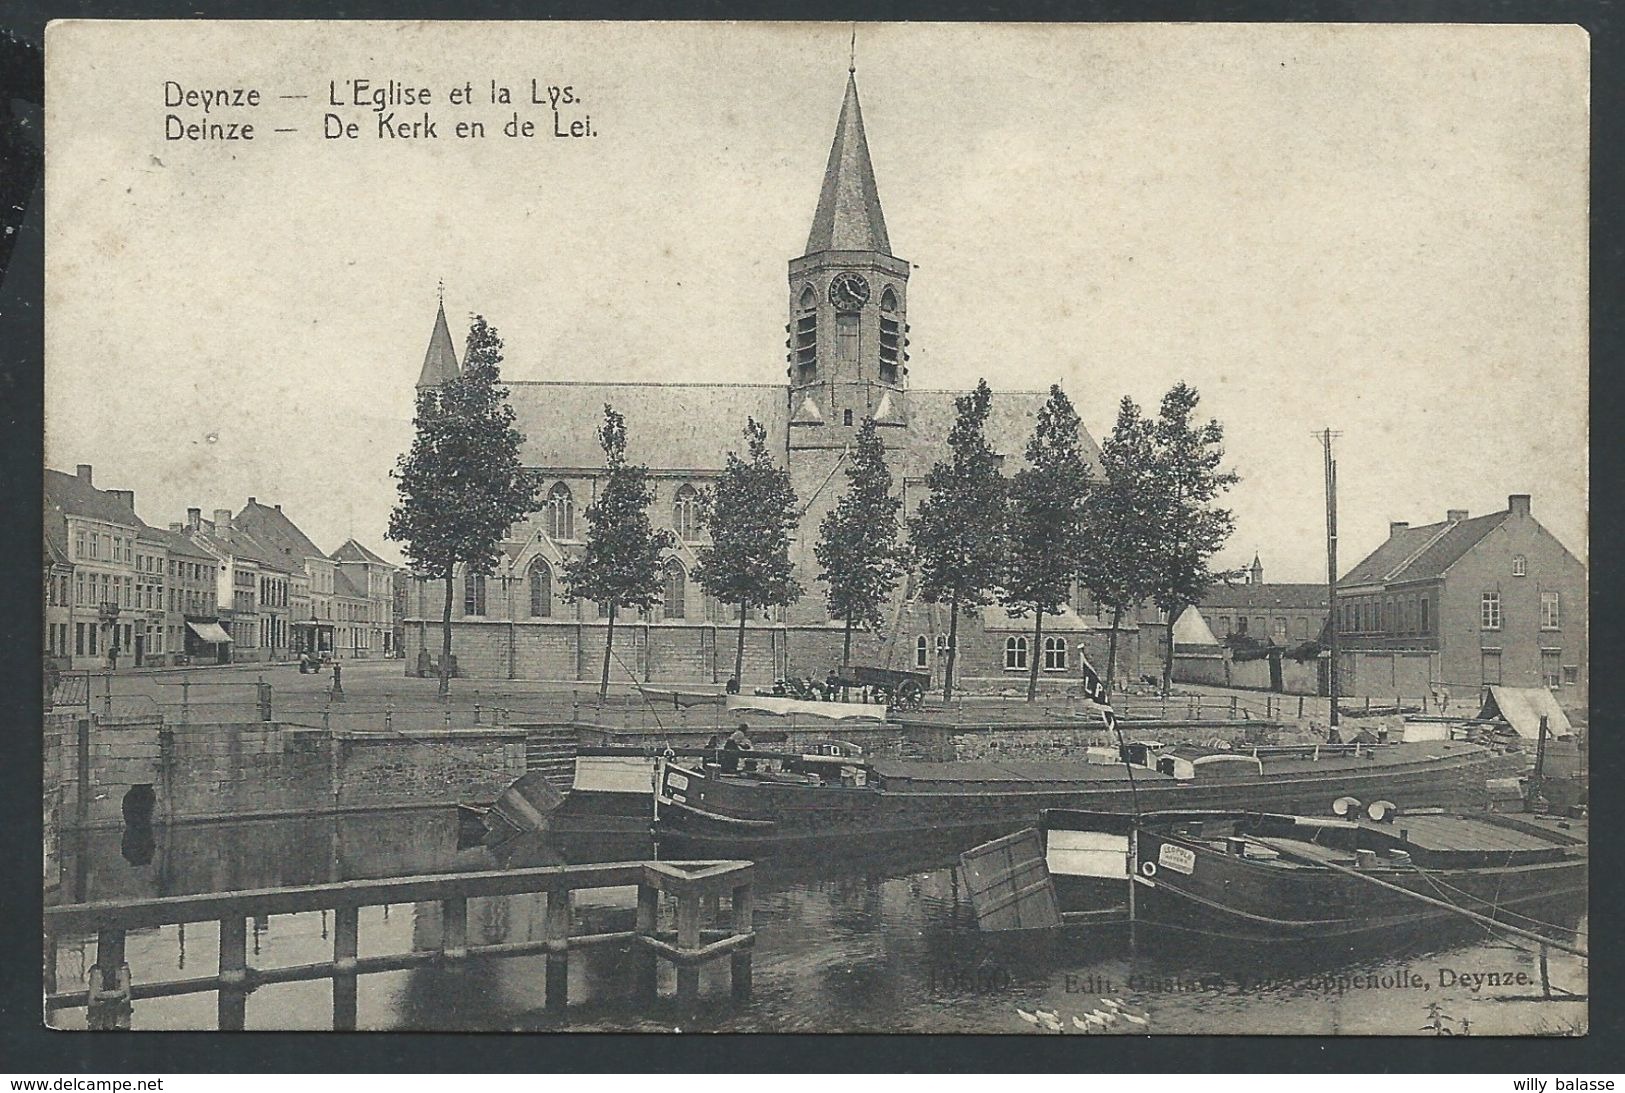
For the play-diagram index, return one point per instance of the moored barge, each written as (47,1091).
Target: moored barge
(698,805)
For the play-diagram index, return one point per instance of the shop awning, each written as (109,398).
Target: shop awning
(210,632)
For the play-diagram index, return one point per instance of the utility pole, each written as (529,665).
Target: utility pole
(1326,436)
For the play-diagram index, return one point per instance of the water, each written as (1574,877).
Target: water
(881,941)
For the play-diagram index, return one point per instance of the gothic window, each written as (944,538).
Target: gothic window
(888,300)
(1015,653)
(685,515)
(473,594)
(922,652)
(541,590)
(561,513)
(1054,654)
(675,591)
(809,298)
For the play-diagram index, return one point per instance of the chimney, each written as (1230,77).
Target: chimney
(251,501)
(1397,526)
(1455,516)
(1518,504)
(222,519)
(279,506)
(176,525)
(82,472)
(194,519)
(126,496)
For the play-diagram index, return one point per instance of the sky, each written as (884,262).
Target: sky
(1381,230)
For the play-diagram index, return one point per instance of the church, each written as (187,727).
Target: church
(847,359)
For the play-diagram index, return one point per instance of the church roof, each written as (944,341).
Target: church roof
(669,426)
(849,216)
(440,362)
(1010,423)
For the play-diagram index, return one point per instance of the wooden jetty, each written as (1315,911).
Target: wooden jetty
(697,886)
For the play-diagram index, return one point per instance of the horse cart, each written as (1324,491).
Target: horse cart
(893,686)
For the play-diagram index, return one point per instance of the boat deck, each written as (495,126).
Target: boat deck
(1071,771)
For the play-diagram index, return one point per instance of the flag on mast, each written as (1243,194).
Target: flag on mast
(1096,692)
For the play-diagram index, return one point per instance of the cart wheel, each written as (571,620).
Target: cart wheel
(911,695)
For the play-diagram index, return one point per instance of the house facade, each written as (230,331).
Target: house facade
(1464,603)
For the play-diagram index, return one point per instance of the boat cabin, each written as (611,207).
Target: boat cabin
(1188,765)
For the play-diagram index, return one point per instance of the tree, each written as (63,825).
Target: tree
(621,564)
(957,533)
(750,514)
(1122,529)
(858,553)
(1044,538)
(1195,528)
(461,486)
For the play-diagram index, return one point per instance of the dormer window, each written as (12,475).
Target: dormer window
(1520,566)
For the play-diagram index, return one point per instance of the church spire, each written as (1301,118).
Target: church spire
(849,216)
(440,362)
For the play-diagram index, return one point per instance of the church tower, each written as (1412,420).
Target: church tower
(440,362)
(848,328)
(847,339)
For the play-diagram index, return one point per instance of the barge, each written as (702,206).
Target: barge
(700,806)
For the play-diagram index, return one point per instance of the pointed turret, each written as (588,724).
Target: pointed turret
(1256,570)
(849,216)
(440,362)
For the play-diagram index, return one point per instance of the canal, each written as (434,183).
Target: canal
(873,939)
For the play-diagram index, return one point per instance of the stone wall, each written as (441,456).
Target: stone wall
(235,770)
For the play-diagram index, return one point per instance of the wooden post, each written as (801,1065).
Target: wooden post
(109,1006)
(1232,707)
(233,1000)
(688,939)
(740,960)
(557,932)
(1300,707)
(346,931)
(454,927)
(647,970)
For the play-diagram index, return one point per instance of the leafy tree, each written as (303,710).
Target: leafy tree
(462,485)
(1195,528)
(1122,529)
(751,514)
(621,564)
(858,553)
(1044,539)
(957,534)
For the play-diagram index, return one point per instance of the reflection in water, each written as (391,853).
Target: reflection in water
(877,940)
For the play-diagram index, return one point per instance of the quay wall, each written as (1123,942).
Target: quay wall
(103,773)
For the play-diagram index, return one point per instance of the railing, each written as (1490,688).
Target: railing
(697,886)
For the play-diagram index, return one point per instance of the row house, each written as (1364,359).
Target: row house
(92,539)
(374,579)
(118,591)
(1470,601)
(251,588)
(339,604)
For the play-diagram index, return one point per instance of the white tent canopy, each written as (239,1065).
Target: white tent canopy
(1523,707)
